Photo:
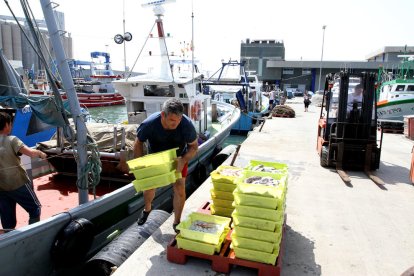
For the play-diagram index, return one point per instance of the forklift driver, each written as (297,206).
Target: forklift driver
(355,102)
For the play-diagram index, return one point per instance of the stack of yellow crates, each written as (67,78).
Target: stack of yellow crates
(258,218)
(203,233)
(154,170)
(224,183)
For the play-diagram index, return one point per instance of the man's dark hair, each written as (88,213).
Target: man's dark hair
(173,106)
(4,119)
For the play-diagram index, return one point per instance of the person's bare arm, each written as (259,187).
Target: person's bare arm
(32,152)
(191,152)
(138,148)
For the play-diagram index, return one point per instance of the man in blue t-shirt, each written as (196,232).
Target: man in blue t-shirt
(165,130)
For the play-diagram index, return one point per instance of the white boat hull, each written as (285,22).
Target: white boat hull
(395,110)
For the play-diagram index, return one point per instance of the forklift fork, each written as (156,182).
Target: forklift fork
(367,167)
(344,176)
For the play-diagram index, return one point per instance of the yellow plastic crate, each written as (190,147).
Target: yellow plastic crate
(156,181)
(224,187)
(281,167)
(223,203)
(216,175)
(200,247)
(257,212)
(262,190)
(255,223)
(267,236)
(211,238)
(154,170)
(221,195)
(158,158)
(221,211)
(259,201)
(257,256)
(258,245)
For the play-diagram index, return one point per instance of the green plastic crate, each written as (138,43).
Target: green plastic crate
(200,247)
(158,158)
(262,190)
(211,238)
(221,195)
(261,235)
(253,244)
(261,213)
(156,181)
(283,168)
(257,256)
(221,211)
(216,175)
(255,223)
(154,170)
(224,187)
(259,201)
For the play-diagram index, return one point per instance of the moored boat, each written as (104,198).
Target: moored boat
(395,93)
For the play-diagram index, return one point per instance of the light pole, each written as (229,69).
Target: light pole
(320,67)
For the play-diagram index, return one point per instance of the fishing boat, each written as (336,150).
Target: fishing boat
(63,243)
(243,91)
(395,93)
(92,80)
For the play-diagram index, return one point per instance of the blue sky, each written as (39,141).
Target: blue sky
(354,28)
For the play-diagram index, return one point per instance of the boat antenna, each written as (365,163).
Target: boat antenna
(192,44)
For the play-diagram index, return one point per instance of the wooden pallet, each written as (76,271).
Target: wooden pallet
(392,130)
(223,261)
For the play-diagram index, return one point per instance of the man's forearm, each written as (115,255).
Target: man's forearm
(138,149)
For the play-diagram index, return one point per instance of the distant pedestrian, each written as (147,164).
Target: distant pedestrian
(306,101)
(272,94)
(15,185)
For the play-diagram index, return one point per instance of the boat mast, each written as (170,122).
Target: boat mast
(67,80)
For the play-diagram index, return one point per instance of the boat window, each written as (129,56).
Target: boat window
(400,88)
(410,88)
(159,90)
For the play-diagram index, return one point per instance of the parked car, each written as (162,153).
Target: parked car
(298,93)
(289,94)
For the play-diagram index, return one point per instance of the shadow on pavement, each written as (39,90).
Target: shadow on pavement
(298,258)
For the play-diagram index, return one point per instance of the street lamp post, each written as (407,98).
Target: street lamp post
(320,68)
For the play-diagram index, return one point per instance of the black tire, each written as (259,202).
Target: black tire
(324,157)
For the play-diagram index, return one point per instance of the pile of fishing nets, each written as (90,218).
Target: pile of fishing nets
(283,111)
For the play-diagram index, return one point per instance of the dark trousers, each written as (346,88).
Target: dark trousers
(25,197)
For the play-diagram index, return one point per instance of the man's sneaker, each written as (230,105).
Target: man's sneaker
(175,228)
(143,217)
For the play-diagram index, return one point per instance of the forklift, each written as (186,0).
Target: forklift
(347,126)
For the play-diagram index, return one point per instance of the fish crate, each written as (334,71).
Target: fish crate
(224,186)
(211,238)
(218,176)
(216,194)
(223,261)
(260,201)
(259,189)
(255,223)
(221,211)
(255,245)
(261,235)
(261,213)
(152,159)
(156,181)
(280,168)
(223,203)
(154,170)
(200,247)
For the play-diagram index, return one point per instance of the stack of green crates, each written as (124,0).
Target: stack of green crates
(259,214)
(154,170)
(199,241)
(222,193)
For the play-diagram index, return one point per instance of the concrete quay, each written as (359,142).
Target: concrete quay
(332,228)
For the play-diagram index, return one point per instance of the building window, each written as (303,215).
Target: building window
(287,71)
(159,90)
(306,71)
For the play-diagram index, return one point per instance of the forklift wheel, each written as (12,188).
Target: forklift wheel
(324,157)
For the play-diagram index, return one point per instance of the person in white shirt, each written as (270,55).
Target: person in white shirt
(355,97)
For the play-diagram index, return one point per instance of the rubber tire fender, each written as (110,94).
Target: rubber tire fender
(73,242)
